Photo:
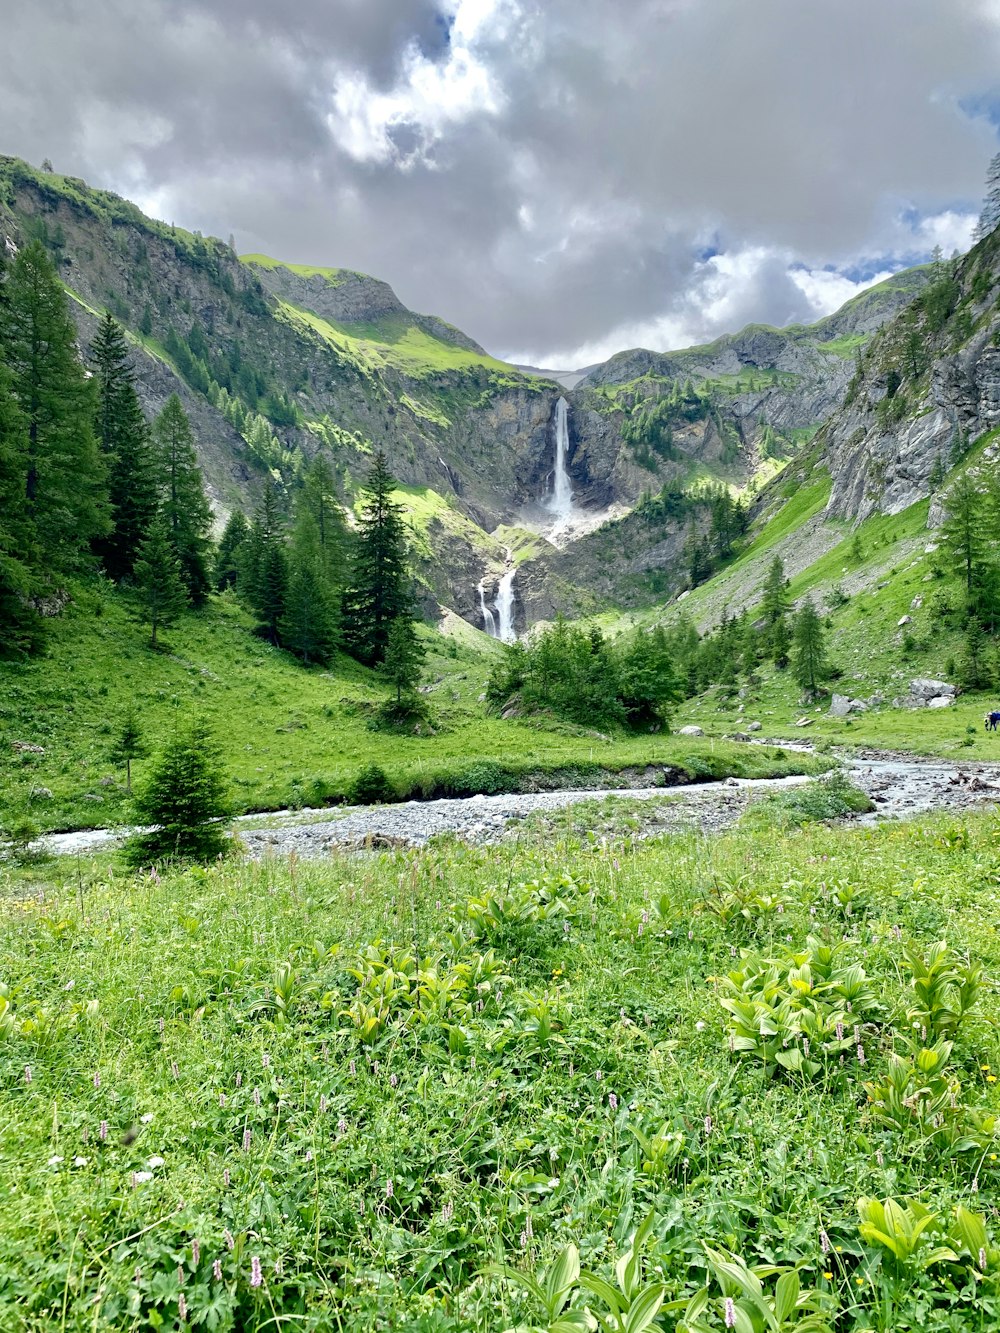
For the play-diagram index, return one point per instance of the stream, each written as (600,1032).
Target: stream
(899,785)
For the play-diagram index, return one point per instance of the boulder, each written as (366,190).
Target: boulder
(690,731)
(804,722)
(40,794)
(753,726)
(924,689)
(840,705)
(858,706)
(917,603)
(26,747)
(904,620)
(941,701)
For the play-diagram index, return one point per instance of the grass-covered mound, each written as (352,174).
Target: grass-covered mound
(444,1091)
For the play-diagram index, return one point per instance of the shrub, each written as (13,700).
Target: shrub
(371,786)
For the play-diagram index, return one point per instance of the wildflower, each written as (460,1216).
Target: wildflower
(239,1080)
(309,1155)
(598,1074)
(824,1242)
(612,1101)
(196,1251)
(160,1025)
(154,1162)
(708,1124)
(805,1045)
(222,1099)
(730,1313)
(173,1069)
(732,1044)
(975,1184)
(324,1050)
(859,1281)
(256,1276)
(361,1207)
(27,1073)
(217,1269)
(982,1259)
(247,1136)
(879,1158)
(141,1177)
(227,1236)
(225,1177)
(102,1133)
(472,1062)
(991,1078)
(182,1307)
(265,1060)
(393,1081)
(80,1161)
(840,1032)
(341,1126)
(524,1240)
(388,1188)
(447,1212)
(256,1096)
(828,1275)
(97,1079)
(54,1161)
(180,1275)
(700,1025)
(351,1068)
(861,1054)
(147,1118)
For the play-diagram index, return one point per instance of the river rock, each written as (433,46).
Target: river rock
(690,731)
(941,701)
(922,688)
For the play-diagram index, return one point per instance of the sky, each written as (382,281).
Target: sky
(562,179)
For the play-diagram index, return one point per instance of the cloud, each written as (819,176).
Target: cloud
(552,178)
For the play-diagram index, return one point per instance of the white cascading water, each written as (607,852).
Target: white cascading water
(560,502)
(489,619)
(505,605)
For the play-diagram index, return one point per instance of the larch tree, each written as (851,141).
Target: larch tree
(183,502)
(809,648)
(123,435)
(159,583)
(963,529)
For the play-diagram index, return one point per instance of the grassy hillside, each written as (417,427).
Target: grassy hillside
(290,735)
(390,1092)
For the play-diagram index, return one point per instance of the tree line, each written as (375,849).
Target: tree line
(88,484)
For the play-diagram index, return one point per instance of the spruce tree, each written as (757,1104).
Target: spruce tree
(128,744)
(309,622)
(65,488)
(184,504)
(158,581)
(774,608)
(186,803)
(231,551)
(123,435)
(809,651)
(963,528)
(266,583)
(974,669)
(317,499)
(404,657)
(378,589)
(20,624)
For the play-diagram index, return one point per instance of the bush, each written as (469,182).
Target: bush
(185,801)
(371,786)
(831,797)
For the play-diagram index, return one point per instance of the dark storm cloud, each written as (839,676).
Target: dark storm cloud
(546,175)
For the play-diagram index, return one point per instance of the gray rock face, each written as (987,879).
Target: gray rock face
(925,689)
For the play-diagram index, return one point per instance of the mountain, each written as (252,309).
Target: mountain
(275,361)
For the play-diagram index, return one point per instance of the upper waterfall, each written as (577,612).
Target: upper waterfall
(560,502)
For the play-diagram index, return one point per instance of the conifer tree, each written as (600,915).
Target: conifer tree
(158,581)
(129,743)
(809,654)
(378,589)
(123,435)
(318,500)
(266,566)
(309,621)
(229,557)
(404,657)
(965,510)
(185,801)
(774,608)
(20,624)
(974,669)
(65,489)
(184,505)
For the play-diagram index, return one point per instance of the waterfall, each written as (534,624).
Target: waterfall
(560,502)
(489,619)
(505,605)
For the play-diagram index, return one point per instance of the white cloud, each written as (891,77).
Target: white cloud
(950,230)
(826,290)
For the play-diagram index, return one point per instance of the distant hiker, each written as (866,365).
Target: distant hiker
(992,720)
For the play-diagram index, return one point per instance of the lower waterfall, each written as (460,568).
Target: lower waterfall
(505,605)
(489,619)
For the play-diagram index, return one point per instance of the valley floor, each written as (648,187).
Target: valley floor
(392,1092)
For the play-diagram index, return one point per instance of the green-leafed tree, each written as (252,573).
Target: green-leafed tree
(123,435)
(976,667)
(159,584)
(266,566)
(808,648)
(308,625)
(65,488)
(378,589)
(963,529)
(128,744)
(183,502)
(231,551)
(774,608)
(647,681)
(317,500)
(404,657)
(186,803)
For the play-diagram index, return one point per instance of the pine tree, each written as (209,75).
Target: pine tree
(65,489)
(20,624)
(185,801)
(128,744)
(266,581)
(989,218)
(123,435)
(404,657)
(229,557)
(965,510)
(808,657)
(184,504)
(158,581)
(378,590)
(774,608)
(318,500)
(974,670)
(309,622)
